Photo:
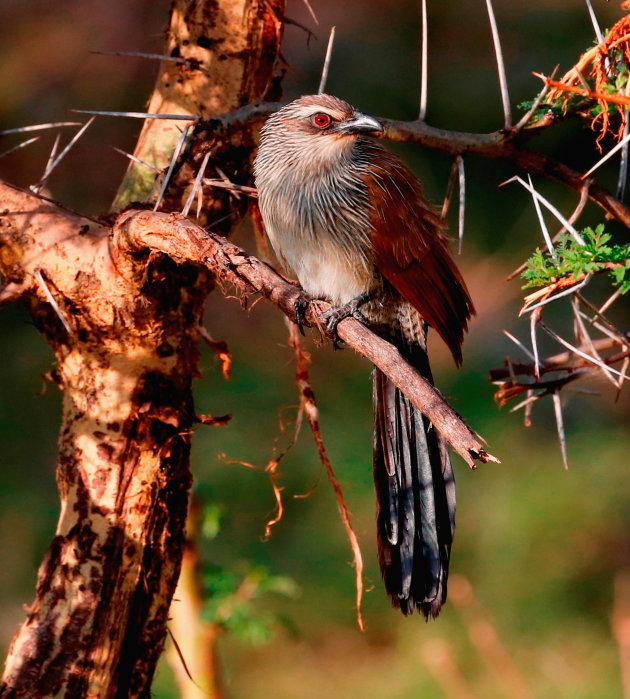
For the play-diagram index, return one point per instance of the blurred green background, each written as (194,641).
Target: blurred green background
(541,547)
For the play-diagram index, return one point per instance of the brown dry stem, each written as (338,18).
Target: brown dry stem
(308,405)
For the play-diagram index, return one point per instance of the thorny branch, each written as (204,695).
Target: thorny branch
(183,240)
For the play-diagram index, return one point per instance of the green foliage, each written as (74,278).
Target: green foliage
(233,596)
(575,260)
(233,601)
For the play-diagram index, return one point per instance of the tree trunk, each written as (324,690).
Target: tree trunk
(124,329)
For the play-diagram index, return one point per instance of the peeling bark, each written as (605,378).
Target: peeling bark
(124,327)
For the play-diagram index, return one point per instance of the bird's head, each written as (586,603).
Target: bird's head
(321,126)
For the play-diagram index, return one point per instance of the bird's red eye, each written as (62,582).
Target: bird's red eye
(321,120)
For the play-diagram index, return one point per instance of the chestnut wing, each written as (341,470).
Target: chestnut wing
(412,251)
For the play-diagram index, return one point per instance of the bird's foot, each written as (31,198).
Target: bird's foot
(333,316)
(300,306)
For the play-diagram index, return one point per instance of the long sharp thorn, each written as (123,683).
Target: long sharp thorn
(424,62)
(577,351)
(462,200)
(533,319)
(326,68)
(596,27)
(578,238)
(505,97)
(138,115)
(65,151)
(137,160)
(623,164)
(608,155)
(557,407)
(311,11)
(541,221)
(40,127)
(49,163)
(19,145)
(609,301)
(167,177)
(196,184)
(53,302)
(517,342)
(585,339)
(140,54)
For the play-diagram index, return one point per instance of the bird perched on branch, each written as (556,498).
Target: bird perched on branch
(350,219)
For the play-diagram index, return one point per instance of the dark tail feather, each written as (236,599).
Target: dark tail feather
(415,493)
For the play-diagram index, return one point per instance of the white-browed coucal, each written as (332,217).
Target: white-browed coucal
(350,219)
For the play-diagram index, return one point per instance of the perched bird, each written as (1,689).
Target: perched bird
(350,219)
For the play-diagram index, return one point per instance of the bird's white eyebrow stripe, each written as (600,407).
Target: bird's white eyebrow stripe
(311,109)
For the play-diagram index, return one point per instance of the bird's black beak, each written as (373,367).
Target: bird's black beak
(359,123)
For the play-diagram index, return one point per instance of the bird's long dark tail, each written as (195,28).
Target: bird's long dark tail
(415,493)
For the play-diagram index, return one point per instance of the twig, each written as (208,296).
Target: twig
(309,406)
(573,287)
(326,67)
(424,62)
(505,98)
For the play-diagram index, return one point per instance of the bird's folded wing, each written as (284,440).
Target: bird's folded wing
(412,252)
